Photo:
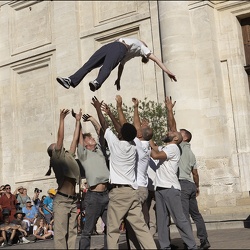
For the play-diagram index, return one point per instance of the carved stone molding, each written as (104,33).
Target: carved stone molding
(30,25)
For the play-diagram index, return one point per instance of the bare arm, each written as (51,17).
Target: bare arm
(121,116)
(76,132)
(196,180)
(117,82)
(102,120)
(137,121)
(155,153)
(170,116)
(162,66)
(60,133)
(117,125)
(96,125)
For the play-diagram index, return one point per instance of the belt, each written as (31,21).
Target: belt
(74,197)
(160,188)
(120,185)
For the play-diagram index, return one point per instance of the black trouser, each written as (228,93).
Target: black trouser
(108,56)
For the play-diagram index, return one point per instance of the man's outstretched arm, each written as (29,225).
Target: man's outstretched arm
(121,116)
(105,108)
(60,133)
(76,132)
(119,75)
(170,114)
(162,66)
(97,105)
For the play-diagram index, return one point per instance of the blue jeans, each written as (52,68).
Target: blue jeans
(108,56)
(96,205)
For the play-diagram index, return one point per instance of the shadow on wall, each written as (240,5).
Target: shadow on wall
(247,222)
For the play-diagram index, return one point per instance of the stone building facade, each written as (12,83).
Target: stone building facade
(202,42)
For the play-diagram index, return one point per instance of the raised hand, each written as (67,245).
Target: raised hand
(118,99)
(64,113)
(172,77)
(96,103)
(105,108)
(135,101)
(86,117)
(168,103)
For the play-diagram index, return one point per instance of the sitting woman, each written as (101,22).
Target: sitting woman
(40,230)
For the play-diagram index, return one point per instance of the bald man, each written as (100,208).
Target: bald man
(168,192)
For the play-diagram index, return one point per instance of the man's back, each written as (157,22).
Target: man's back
(187,162)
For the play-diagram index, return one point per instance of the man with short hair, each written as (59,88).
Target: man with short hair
(168,194)
(9,201)
(189,185)
(96,199)
(123,198)
(109,56)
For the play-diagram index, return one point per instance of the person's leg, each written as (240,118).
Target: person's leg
(151,211)
(142,193)
(198,219)
(115,54)
(173,202)
(186,191)
(92,213)
(72,226)
(162,219)
(95,61)
(60,222)
(105,201)
(120,200)
(136,220)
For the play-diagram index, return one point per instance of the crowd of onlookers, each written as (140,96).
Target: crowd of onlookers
(25,219)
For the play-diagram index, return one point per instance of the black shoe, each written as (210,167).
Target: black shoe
(64,81)
(204,244)
(94,85)
(10,243)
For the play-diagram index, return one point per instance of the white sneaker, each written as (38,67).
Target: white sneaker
(64,81)
(25,240)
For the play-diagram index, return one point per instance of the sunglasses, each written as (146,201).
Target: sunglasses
(8,188)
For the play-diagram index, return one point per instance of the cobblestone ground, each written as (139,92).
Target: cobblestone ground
(219,239)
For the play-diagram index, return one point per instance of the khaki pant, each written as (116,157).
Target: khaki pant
(65,225)
(124,202)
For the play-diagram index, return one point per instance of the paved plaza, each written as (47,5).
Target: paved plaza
(237,238)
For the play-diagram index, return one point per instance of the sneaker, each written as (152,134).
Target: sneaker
(64,81)
(24,240)
(94,85)
(10,243)
(204,244)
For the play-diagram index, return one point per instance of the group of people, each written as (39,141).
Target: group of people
(24,219)
(116,168)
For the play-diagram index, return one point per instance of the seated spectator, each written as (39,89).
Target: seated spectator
(40,208)
(21,196)
(36,200)
(48,205)
(9,201)
(30,214)
(40,230)
(19,215)
(9,230)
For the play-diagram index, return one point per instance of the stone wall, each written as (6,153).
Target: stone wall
(200,41)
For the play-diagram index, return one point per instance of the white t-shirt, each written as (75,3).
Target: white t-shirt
(143,155)
(152,165)
(166,172)
(122,160)
(135,48)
